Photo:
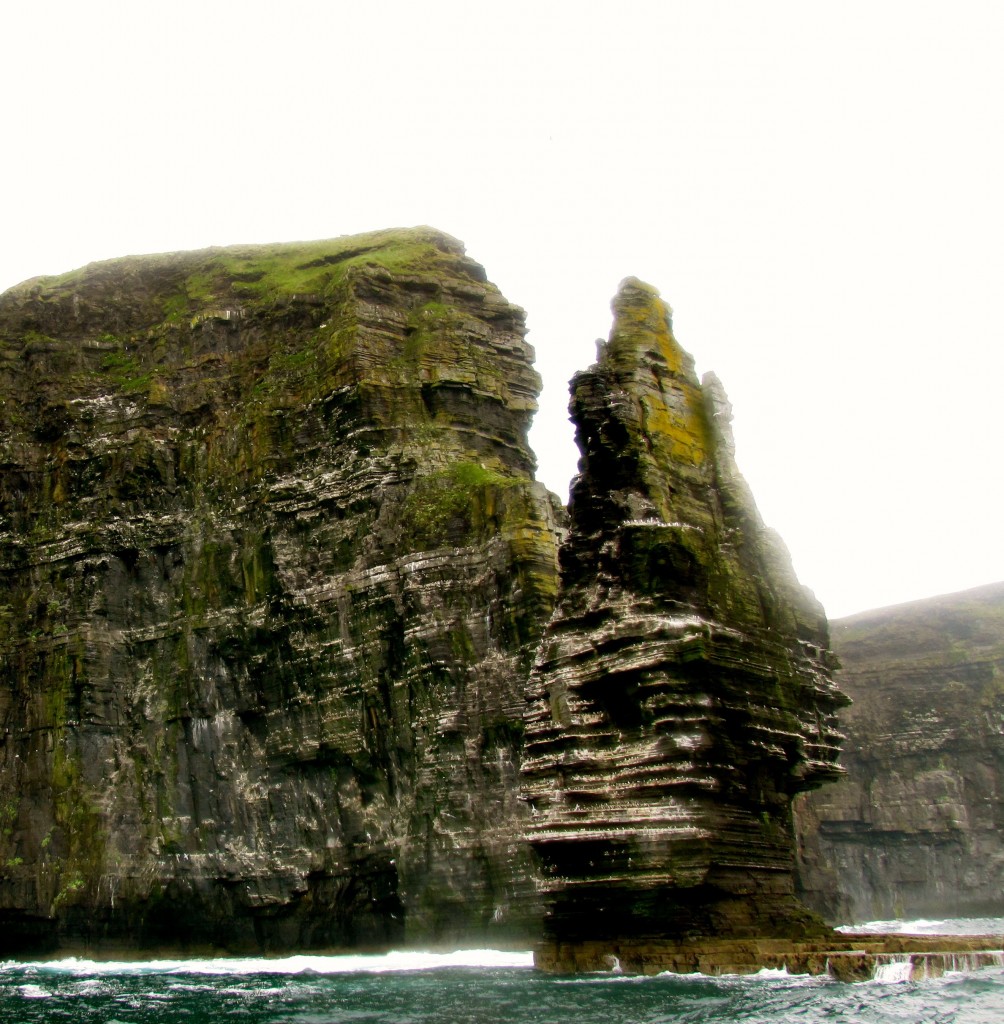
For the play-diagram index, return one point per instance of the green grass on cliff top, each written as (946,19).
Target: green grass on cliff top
(190,280)
(952,628)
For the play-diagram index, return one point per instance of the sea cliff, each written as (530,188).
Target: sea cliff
(274,567)
(278,666)
(914,829)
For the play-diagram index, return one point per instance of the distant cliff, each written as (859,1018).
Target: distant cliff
(275,573)
(915,827)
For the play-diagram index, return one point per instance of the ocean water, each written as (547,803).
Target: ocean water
(472,987)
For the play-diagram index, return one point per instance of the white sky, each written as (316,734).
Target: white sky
(816,188)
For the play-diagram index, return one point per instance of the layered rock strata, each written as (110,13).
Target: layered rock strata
(915,828)
(683,693)
(274,566)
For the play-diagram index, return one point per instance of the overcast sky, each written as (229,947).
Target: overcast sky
(815,188)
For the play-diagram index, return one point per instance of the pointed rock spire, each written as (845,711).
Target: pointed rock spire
(683,691)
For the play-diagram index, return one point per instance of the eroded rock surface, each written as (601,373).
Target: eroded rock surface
(683,693)
(274,566)
(275,573)
(914,830)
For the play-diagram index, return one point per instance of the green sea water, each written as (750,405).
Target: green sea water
(472,987)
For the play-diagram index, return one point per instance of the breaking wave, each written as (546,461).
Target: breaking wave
(925,926)
(376,963)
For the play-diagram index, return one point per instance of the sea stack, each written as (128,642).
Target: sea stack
(683,692)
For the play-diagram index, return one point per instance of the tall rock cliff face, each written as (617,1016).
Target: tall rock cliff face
(915,827)
(273,569)
(683,693)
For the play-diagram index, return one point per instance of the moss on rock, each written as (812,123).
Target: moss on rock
(274,566)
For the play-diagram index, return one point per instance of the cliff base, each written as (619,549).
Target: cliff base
(843,957)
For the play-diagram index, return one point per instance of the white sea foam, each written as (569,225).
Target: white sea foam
(607,978)
(896,970)
(771,975)
(924,926)
(401,960)
(33,992)
(775,976)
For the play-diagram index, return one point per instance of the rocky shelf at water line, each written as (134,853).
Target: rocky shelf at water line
(846,958)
